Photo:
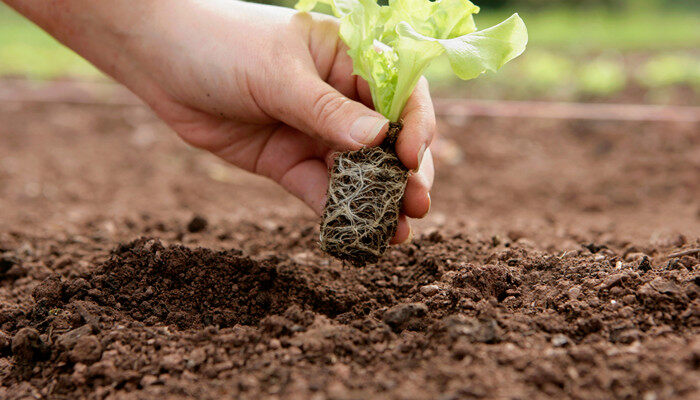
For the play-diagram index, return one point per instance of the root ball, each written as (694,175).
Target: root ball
(364,202)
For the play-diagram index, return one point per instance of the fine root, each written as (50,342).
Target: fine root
(364,202)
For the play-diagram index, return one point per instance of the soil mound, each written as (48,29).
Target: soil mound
(197,287)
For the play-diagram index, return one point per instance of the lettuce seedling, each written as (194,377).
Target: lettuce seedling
(391,46)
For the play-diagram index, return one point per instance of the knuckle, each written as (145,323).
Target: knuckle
(327,106)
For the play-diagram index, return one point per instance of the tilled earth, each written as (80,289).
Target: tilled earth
(559,261)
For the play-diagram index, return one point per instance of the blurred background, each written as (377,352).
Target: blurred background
(632,51)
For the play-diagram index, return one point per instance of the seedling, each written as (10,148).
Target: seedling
(391,46)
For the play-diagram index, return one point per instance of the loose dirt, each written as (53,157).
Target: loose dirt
(133,267)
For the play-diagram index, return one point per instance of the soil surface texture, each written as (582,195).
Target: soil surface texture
(560,260)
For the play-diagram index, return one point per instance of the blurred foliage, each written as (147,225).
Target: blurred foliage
(578,50)
(670,69)
(26,50)
(602,77)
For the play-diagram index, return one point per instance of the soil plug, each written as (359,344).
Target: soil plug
(391,46)
(364,201)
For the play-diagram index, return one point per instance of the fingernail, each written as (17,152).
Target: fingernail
(409,239)
(421,152)
(365,129)
(430,205)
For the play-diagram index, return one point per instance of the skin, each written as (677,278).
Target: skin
(265,88)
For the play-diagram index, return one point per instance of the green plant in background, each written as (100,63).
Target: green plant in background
(26,50)
(670,69)
(544,70)
(602,77)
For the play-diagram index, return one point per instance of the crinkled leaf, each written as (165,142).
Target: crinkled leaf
(475,53)
(391,46)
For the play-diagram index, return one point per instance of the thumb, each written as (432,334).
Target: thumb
(319,110)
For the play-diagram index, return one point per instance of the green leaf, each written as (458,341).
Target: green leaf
(391,46)
(475,53)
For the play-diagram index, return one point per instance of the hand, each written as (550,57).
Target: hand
(265,88)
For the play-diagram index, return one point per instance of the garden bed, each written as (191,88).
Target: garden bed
(549,267)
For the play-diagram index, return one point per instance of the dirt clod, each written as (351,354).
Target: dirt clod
(27,346)
(401,316)
(5,342)
(429,290)
(645,264)
(69,339)
(197,224)
(87,350)
(49,293)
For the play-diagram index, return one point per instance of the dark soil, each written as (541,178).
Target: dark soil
(557,263)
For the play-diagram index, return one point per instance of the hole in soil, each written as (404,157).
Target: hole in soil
(195,287)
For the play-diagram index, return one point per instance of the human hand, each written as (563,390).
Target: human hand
(264,88)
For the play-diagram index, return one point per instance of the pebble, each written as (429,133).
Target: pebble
(429,290)
(148,380)
(634,256)
(5,342)
(197,357)
(27,346)
(574,292)
(398,316)
(172,362)
(87,350)
(559,340)
(197,224)
(665,286)
(16,271)
(7,262)
(645,264)
(68,340)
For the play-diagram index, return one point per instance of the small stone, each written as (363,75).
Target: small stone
(197,224)
(104,368)
(399,316)
(87,350)
(148,380)
(78,375)
(435,236)
(275,344)
(15,272)
(645,264)
(574,292)
(197,357)
(664,286)
(613,280)
(559,340)
(172,362)
(27,346)
(429,290)
(7,262)
(634,256)
(5,342)
(69,339)
(62,261)
(482,331)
